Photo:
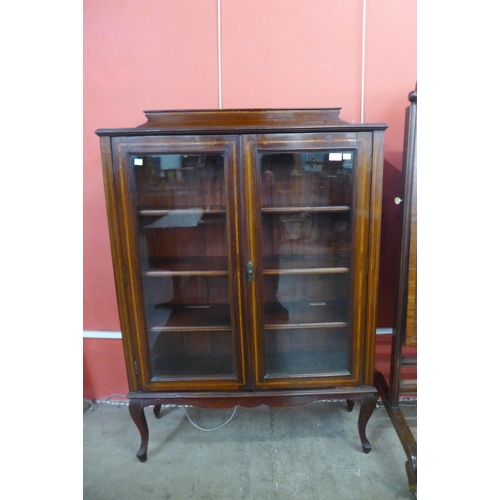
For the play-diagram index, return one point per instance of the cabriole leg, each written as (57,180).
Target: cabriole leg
(137,413)
(368,403)
(157,410)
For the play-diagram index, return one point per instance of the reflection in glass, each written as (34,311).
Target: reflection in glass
(179,181)
(183,242)
(306,298)
(305,239)
(307,179)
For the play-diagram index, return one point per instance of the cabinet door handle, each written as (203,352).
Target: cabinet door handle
(250,273)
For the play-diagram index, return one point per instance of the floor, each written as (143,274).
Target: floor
(310,452)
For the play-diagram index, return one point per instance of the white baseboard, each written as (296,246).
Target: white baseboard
(93,334)
(384,331)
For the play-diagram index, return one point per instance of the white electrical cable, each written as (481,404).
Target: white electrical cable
(213,428)
(107,400)
(94,404)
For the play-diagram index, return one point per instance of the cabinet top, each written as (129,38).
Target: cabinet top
(242,121)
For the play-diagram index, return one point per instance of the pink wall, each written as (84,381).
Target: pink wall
(163,54)
(138,54)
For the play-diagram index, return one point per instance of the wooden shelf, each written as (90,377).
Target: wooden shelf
(305,326)
(318,270)
(306,315)
(181,211)
(188,272)
(189,266)
(306,363)
(189,318)
(298,209)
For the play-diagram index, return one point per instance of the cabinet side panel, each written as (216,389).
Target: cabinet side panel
(411,312)
(411,194)
(118,265)
(373,253)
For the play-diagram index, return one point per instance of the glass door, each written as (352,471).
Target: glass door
(309,329)
(183,215)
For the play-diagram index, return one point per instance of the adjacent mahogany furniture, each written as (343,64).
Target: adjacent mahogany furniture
(405,331)
(245,252)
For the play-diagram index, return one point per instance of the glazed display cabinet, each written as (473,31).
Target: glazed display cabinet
(245,250)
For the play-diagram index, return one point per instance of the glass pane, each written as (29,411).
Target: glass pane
(173,301)
(183,242)
(189,319)
(291,299)
(307,179)
(306,250)
(188,354)
(181,222)
(306,351)
(189,325)
(306,239)
(179,181)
